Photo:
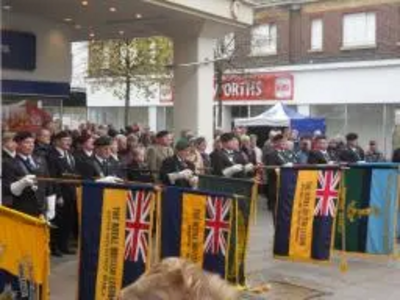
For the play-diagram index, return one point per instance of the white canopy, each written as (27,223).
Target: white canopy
(277,116)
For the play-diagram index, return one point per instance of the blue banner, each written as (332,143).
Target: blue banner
(18,50)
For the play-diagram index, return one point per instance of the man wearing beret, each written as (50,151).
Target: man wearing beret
(177,170)
(99,167)
(227,162)
(62,165)
(8,154)
(352,153)
(30,196)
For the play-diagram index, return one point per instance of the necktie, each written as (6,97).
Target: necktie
(105,168)
(30,164)
(68,158)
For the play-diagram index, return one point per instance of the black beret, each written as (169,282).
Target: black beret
(226,137)
(162,133)
(182,144)
(61,135)
(23,135)
(352,137)
(103,141)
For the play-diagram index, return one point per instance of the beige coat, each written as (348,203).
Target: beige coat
(155,156)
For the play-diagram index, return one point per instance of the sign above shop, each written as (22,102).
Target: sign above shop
(268,86)
(18,50)
(261,87)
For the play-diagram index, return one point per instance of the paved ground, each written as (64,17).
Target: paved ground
(365,280)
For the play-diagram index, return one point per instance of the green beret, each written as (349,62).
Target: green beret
(182,144)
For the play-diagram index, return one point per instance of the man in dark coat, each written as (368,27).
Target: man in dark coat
(320,155)
(29,196)
(138,169)
(8,154)
(99,166)
(177,170)
(276,156)
(42,142)
(62,165)
(85,145)
(226,162)
(352,153)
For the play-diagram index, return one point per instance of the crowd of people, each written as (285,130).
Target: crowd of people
(31,163)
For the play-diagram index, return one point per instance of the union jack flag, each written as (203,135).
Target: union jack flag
(327,193)
(137,226)
(217,224)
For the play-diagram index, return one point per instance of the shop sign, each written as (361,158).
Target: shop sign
(18,50)
(263,87)
(267,86)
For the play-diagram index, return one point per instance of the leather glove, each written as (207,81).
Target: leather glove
(18,187)
(110,179)
(249,168)
(51,207)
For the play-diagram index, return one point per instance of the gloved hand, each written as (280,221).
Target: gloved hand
(194,181)
(27,181)
(185,174)
(110,179)
(51,207)
(249,168)
(228,172)
(288,164)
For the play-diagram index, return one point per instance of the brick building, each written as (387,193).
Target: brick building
(343,58)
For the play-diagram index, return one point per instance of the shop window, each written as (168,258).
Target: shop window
(359,30)
(240,111)
(264,39)
(226,46)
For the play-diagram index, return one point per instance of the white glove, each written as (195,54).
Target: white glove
(249,168)
(331,162)
(18,187)
(186,174)
(194,181)
(110,179)
(51,207)
(288,164)
(229,172)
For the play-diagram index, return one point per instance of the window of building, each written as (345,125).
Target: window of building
(317,36)
(264,39)
(359,30)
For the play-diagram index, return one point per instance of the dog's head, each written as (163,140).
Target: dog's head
(178,279)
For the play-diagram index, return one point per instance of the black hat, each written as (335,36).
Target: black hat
(182,144)
(352,137)
(277,138)
(61,135)
(162,134)
(103,141)
(83,138)
(226,137)
(23,135)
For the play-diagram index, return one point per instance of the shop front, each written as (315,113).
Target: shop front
(36,70)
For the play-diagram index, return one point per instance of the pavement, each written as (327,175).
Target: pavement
(365,279)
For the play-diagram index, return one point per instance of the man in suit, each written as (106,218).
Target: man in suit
(352,153)
(320,156)
(276,156)
(157,153)
(42,142)
(226,162)
(62,165)
(8,153)
(99,166)
(85,147)
(177,170)
(29,196)
(116,165)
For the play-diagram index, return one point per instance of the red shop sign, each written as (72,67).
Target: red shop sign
(277,86)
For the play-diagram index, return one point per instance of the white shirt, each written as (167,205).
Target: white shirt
(88,153)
